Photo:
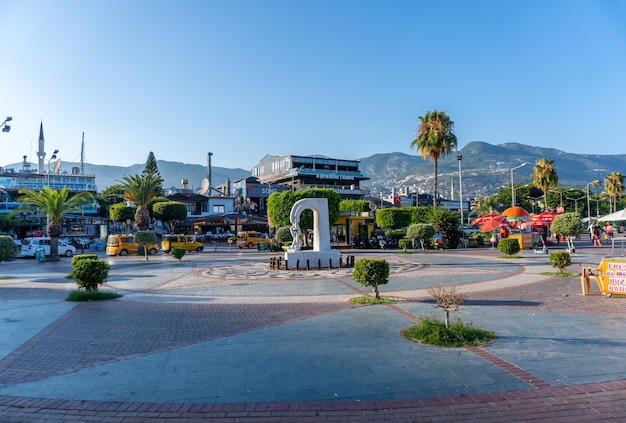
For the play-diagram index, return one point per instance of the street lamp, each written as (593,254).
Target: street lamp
(560,193)
(54,156)
(4,126)
(459,157)
(535,201)
(512,185)
(594,182)
(576,200)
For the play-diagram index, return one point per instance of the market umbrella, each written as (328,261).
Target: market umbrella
(516,212)
(618,215)
(492,223)
(482,219)
(543,219)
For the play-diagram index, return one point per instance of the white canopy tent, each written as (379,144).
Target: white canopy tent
(618,215)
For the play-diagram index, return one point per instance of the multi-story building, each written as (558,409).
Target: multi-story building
(304,172)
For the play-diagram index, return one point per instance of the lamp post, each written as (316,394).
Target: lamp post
(4,126)
(512,185)
(53,157)
(459,157)
(535,201)
(560,193)
(594,182)
(576,200)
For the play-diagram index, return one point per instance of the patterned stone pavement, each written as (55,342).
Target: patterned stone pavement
(65,362)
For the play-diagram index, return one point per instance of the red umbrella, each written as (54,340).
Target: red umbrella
(482,219)
(492,223)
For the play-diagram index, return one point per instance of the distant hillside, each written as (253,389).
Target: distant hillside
(485,167)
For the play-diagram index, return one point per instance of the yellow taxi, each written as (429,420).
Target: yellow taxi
(124,245)
(181,241)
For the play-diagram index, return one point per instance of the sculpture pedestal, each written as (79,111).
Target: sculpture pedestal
(325,259)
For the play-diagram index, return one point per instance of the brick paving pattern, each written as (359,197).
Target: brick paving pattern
(126,329)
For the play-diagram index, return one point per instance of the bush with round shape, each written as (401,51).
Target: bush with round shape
(8,248)
(371,272)
(509,246)
(89,271)
(560,260)
(421,232)
(405,244)
(178,253)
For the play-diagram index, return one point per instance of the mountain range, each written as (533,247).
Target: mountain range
(484,168)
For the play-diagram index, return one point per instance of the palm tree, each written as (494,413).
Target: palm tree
(140,190)
(435,139)
(55,204)
(614,187)
(484,205)
(545,177)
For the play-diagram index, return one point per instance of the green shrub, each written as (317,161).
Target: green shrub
(89,273)
(560,260)
(8,248)
(283,234)
(405,244)
(371,272)
(79,257)
(509,246)
(434,332)
(178,253)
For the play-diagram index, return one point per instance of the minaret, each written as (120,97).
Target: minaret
(41,154)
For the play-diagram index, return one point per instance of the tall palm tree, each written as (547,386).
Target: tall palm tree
(435,139)
(55,204)
(140,189)
(614,187)
(545,177)
(484,205)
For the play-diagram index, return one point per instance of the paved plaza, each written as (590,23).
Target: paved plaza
(220,337)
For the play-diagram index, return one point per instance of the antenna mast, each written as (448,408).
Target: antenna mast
(208,163)
(82,156)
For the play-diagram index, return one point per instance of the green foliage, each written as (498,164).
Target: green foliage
(373,301)
(283,234)
(431,331)
(357,206)
(143,238)
(77,296)
(154,202)
(393,218)
(419,214)
(446,222)
(140,189)
(89,272)
(567,224)
(8,222)
(405,244)
(279,206)
(178,253)
(509,246)
(8,249)
(170,212)
(121,212)
(371,272)
(420,232)
(80,257)
(560,260)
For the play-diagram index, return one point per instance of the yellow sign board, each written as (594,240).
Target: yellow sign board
(610,276)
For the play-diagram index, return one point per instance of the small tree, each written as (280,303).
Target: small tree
(421,232)
(509,246)
(178,253)
(393,218)
(371,272)
(560,260)
(144,238)
(8,248)
(89,271)
(567,225)
(447,298)
(283,234)
(170,212)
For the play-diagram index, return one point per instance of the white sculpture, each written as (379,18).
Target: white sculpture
(321,236)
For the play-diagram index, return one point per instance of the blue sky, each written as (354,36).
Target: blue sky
(343,78)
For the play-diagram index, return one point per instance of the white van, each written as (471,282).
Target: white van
(30,245)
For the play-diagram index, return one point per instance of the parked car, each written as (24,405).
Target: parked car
(30,245)
(181,241)
(251,239)
(124,245)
